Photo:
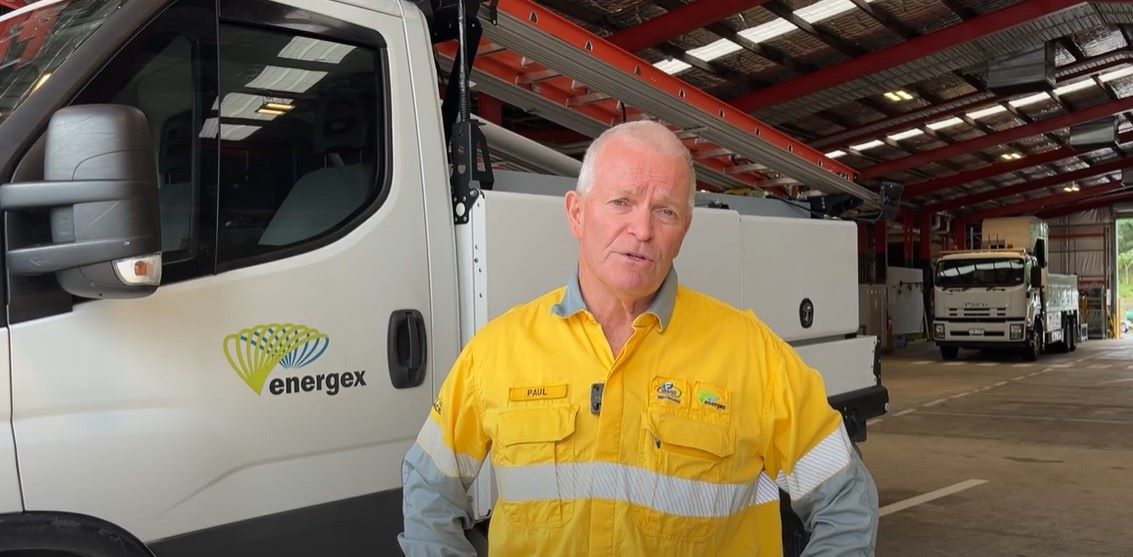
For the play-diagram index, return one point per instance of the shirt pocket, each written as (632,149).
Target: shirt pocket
(534,454)
(686,464)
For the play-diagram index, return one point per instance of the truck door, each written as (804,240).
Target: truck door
(249,406)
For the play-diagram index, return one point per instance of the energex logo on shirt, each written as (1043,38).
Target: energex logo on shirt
(254,353)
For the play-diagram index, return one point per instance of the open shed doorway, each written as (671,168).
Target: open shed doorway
(1124,268)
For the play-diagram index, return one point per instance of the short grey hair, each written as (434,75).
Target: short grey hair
(647,132)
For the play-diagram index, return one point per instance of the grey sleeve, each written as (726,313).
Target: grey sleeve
(436,507)
(841,513)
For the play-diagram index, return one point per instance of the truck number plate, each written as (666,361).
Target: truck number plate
(976,332)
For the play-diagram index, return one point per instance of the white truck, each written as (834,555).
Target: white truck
(234,281)
(1002,294)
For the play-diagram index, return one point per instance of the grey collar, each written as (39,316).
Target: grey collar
(661,306)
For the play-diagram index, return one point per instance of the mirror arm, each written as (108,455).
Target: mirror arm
(40,195)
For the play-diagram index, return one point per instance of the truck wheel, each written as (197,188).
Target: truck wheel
(1064,346)
(949,352)
(1035,344)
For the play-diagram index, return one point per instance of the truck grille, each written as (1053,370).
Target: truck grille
(978,312)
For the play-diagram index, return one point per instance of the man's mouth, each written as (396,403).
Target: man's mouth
(636,256)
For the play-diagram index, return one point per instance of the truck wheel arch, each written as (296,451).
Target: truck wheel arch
(67,533)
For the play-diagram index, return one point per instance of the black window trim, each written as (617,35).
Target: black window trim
(271,16)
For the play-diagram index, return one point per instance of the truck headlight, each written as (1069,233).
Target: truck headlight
(1016,331)
(938,329)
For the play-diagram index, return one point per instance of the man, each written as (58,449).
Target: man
(627,415)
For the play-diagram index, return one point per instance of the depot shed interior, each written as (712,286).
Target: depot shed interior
(977,109)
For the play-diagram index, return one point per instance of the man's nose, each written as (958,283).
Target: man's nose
(641,223)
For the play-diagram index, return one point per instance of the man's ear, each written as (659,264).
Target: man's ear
(573,204)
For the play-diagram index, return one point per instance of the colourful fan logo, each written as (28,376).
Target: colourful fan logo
(253,353)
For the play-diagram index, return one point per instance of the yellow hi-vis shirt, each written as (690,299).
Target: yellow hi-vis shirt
(676,446)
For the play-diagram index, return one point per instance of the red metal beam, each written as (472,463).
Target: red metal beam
(12,4)
(901,53)
(999,138)
(1056,180)
(985,172)
(1088,204)
(677,22)
(1032,206)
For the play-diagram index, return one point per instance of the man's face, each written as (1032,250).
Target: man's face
(631,223)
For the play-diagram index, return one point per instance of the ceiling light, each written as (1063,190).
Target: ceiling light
(945,124)
(714,50)
(1011,156)
(269,111)
(835,154)
(1075,188)
(278,106)
(1084,84)
(292,80)
(1067,189)
(867,145)
(892,96)
(39,82)
(1030,100)
(767,31)
(906,134)
(671,66)
(985,112)
(315,50)
(1124,72)
(824,9)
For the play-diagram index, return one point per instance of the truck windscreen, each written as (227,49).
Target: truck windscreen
(979,272)
(35,40)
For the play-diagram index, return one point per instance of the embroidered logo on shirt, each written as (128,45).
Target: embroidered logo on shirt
(710,398)
(538,392)
(669,391)
(437,406)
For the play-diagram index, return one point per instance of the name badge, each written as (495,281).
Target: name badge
(541,392)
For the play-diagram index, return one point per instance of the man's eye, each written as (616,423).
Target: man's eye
(620,202)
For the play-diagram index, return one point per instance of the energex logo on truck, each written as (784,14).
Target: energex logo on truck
(255,352)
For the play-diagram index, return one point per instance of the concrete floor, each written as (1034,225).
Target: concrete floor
(1039,456)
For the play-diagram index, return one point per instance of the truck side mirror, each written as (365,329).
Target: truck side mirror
(100,192)
(1040,252)
(1036,277)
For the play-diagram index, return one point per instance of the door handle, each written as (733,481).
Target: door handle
(407,348)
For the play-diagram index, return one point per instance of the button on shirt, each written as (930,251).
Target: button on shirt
(704,416)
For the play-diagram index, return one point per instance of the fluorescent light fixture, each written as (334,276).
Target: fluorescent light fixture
(824,9)
(281,107)
(892,96)
(714,50)
(1118,74)
(228,132)
(898,95)
(291,80)
(671,66)
(906,134)
(767,31)
(270,112)
(315,50)
(243,105)
(985,112)
(39,82)
(835,154)
(1010,156)
(1039,97)
(236,132)
(1071,188)
(945,124)
(1084,84)
(867,145)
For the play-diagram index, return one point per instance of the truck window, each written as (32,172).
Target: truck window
(36,40)
(301,135)
(168,72)
(980,272)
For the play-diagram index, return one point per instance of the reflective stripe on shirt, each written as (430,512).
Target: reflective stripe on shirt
(449,462)
(630,484)
(819,464)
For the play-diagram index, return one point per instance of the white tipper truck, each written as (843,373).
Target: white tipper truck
(233,279)
(1002,294)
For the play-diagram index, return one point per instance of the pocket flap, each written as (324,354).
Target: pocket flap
(671,429)
(535,425)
